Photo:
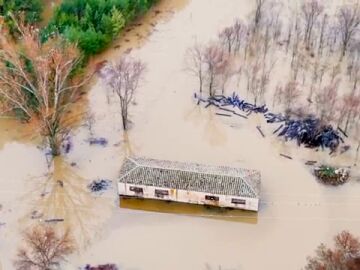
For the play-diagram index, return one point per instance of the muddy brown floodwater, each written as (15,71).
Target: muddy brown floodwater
(296,212)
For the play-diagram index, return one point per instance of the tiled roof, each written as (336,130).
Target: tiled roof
(191,176)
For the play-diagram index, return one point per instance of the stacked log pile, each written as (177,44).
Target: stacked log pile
(309,131)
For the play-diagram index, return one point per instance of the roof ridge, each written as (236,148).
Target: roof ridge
(184,170)
(251,171)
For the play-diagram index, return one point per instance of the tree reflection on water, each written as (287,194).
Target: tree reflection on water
(63,195)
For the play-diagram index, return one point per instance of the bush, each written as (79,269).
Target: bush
(331,176)
(93,24)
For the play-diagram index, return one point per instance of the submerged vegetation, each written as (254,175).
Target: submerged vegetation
(93,24)
(122,78)
(344,256)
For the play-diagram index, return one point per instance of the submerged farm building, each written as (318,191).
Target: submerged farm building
(190,183)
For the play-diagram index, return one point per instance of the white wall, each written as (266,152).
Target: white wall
(190,197)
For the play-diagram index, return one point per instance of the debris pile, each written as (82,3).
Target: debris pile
(36,214)
(99,185)
(98,141)
(67,145)
(311,133)
(234,100)
(308,131)
(332,176)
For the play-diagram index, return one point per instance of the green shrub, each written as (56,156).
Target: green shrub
(30,9)
(93,24)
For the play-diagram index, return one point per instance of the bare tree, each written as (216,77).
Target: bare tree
(355,76)
(37,81)
(350,108)
(259,10)
(253,74)
(194,60)
(266,41)
(240,31)
(345,255)
(314,78)
(322,33)
(325,101)
(123,77)
(348,25)
(297,37)
(216,61)
(289,35)
(227,38)
(224,73)
(289,95)
(311,10)
(44,249)
(357,137)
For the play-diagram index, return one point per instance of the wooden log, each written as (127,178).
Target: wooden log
(310,162)
(342,131)
(243,116)
(222,114)
(276,130)
(54,220)
(260,131)
(227,110)
(286,156)
(209,104)
(346,148)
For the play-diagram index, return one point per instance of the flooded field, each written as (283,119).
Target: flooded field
(296,212)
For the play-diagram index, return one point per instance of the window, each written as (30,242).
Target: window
(137,190)
(161,193)
(238,201)
(212,198)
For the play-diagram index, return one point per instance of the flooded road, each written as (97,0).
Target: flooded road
(296,212)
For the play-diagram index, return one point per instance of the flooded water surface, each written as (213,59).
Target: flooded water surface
(296,212)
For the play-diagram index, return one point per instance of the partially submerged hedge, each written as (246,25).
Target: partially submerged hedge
(331,175)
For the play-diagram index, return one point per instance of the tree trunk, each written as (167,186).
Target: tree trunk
(124,121)
(124,113)
(211,86)
(357,153)
(54,145)
(347,121)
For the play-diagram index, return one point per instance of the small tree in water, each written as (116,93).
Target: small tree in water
(123,77)
(44,249)
(37,81)
(345,255)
